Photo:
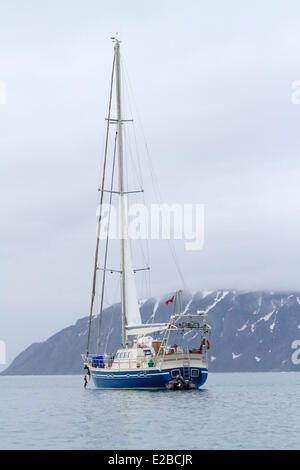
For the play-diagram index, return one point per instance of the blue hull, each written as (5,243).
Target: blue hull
(143,380)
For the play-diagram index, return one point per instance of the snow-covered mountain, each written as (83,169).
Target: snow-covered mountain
(251,331)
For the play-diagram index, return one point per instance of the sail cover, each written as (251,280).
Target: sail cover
(133,315)
(132,310)
(146,329)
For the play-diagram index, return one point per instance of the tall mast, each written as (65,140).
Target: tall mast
(100,213)
(123,233)
(129,301)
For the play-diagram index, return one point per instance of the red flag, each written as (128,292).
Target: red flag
(170,300)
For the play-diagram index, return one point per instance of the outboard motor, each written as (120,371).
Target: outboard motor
(178,383)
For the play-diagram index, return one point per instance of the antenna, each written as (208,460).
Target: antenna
(115,38)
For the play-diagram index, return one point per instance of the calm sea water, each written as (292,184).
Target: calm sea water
(233,411)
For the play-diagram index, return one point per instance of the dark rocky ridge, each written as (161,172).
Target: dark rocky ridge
(251,331)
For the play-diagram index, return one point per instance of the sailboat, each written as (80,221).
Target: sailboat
(147,359)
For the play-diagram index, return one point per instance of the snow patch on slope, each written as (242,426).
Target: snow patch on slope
(235,356)
(187,307)
(243,327)
(205,293)
(217,299)
(154,310)
(265,318)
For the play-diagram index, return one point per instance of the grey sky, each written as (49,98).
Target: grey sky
(212,82)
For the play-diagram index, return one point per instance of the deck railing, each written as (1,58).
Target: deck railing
(176,357)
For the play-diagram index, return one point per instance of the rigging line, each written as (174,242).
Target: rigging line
(100,211)
(132,159)
(106,246)
(116,292)
(136,164)
(125,158)
(138,170)
(126,89)
(153,178)
(159,199)
(128,92)
(146,261)
(128,155)
(140,244)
